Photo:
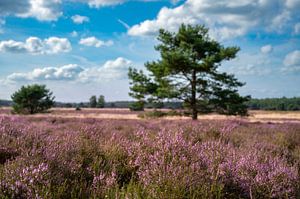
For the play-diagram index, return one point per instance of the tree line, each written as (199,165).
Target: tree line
(280,104)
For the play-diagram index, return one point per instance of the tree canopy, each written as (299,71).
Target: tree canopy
(32,99)
(93,101)
(188,71)
(101,101)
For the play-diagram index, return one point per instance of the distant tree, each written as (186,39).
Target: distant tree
(188,71)
(93,101)
(101,102)
(68,105)
(32,99)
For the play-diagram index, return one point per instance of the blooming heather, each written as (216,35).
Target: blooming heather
(93,158)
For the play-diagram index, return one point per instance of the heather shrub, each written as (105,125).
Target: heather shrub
(171,167)
(24,178)
(89,158)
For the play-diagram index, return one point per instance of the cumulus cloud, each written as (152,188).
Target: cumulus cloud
(249,64)
(49,10)
(78,19)
(266,49)
(43,10)
(113,69)
(297,28)
(93,41)
(110,70)
(35,45)
(100,3)
(291,62)
(67,72)
(225,18)
(8,7)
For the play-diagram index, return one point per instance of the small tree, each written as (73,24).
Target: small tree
(188,71)
(101,102)
(93,101)
(32,99)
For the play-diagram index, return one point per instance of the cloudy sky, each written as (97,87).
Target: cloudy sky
(80,48)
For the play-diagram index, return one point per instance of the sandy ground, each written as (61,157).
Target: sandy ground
(106,113)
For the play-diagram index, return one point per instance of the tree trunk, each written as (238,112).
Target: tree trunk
(193,100)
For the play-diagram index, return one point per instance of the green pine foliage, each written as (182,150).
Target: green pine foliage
(93,101)
(188,71)
(101,101)
(32,99)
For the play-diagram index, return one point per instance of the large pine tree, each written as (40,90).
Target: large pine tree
(188,71)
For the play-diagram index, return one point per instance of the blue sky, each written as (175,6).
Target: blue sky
(80,48)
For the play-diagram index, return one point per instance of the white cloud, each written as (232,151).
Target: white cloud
(93,41)
(293,4)
(100,3)
(113,69)
(291,62)
(249,64)
(67,72)
(266,49)
(78,19)
(110,70)
(13,6)
(297,28)
(225,18)
(43,10)
(35,45)
(74,34)
(49,10)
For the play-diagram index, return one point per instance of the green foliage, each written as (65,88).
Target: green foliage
(137,106)
(188,71)
(159,114)
(101,102)
(93,101)
(141,88)
(32,99)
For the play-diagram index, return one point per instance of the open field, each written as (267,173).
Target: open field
(107,113)
(68,154)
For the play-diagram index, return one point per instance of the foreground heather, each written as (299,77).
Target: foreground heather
(72,158)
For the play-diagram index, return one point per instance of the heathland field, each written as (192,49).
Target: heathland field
(114,154)
(123,113)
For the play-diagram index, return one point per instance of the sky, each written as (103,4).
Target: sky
(80,48)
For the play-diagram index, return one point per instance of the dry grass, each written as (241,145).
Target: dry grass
(109,113)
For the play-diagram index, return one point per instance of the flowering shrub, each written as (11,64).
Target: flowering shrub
(89,158)
(20,181)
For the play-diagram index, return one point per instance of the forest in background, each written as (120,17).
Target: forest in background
(280,104)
